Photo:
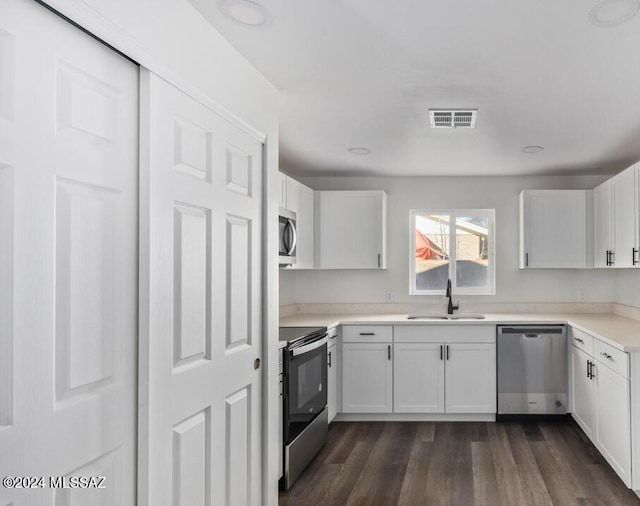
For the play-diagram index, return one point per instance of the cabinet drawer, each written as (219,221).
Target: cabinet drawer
(332,333)
(582,340)
(613,358)
(445,333)
(367,334)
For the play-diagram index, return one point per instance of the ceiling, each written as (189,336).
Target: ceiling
(363,73)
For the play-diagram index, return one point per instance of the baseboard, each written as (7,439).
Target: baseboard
(414,417)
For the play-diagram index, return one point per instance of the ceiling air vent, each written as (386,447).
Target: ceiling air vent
(440,118)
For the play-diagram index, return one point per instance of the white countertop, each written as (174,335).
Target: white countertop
(620,332)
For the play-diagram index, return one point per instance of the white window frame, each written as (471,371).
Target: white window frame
(489,288)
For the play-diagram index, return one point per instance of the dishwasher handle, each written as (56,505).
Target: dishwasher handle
(531,336)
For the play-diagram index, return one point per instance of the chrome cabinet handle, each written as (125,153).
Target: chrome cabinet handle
(606,355)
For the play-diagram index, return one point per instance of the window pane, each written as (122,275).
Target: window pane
(472,254)
(432,251)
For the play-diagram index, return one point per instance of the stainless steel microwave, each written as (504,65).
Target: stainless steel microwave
(288,237)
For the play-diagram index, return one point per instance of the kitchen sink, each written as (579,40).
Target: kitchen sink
(446,317)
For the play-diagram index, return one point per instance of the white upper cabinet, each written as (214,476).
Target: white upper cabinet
(616,220)
(555,229)
(602,224)
(625,229)
(298,198)
(283,190)
(351,230)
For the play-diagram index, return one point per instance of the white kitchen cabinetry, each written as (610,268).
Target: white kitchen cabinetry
(283,189)
(601,401)
(555,229)
(367,369)
(624,188)
(470,378)
(333,376)
(296,197)
(418,378)
(351,230)
(602,224)
(616,220)
(444,369)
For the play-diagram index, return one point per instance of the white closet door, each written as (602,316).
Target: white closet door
(68,259)
(201,274)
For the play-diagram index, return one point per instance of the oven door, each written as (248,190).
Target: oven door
(305,386)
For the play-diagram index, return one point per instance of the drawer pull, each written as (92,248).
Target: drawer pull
(606,355)
(579,340)
(367,333)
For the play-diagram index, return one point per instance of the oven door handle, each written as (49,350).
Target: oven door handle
(309,347)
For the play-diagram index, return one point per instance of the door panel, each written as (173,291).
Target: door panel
(68,258)
(470,373)
(418,378)
(367,378)
(583,392)
(201,269)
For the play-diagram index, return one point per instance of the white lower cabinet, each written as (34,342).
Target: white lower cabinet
(367,377)
(444,378)
(470,378)
(333,366)
(602,403)
(583,411)
(418,378)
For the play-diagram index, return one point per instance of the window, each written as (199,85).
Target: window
(452,244)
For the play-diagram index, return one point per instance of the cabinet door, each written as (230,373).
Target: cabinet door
(624,217)
(582,391)
(351,230)
(332,381)
(612,424)
(602,223)
(418,378)
(470,378)
(554,229)
(300,201)
(366,378)
(283,190)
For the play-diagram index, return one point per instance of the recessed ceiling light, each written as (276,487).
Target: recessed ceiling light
(359,151)
(532,150)
(245,12)
(613,12)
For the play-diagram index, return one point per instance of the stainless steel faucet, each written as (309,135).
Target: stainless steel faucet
(451,307)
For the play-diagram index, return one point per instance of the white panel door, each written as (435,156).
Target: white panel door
(418,378)
(200,245)
(602,224)
(582,394)
(612,424)
(68,259)
(624,217)
(470,378)
(366,378)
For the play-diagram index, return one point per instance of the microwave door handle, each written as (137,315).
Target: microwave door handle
(292,226)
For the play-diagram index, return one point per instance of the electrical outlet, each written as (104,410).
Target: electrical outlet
(390,297)
(582,295)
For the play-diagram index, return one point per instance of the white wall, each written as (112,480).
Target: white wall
(627,287)
(499,193)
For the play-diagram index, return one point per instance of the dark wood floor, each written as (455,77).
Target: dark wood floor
(458,464)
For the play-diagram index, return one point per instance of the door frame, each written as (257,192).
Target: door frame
(81,14)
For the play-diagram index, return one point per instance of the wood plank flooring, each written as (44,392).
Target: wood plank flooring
(458,464)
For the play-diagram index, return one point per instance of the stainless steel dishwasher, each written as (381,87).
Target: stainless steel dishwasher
(532,370)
